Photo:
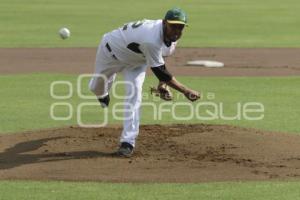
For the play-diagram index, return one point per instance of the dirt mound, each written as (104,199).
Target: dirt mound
(238,61)
(173,153)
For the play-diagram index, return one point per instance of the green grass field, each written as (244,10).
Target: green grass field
(31,110)
(25,99)
(106,191)
(213,23)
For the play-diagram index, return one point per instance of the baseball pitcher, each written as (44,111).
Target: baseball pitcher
(130,49)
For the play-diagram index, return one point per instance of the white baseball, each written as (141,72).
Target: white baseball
(64,33)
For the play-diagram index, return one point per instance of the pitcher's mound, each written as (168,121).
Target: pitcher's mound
(173,153)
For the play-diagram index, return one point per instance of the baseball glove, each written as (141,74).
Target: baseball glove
(163,91)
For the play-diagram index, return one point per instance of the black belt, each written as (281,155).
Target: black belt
(109,49)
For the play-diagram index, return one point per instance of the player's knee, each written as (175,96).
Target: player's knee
(92,86)
(95,88)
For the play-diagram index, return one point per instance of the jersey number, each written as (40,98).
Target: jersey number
(135,47)
(134,25)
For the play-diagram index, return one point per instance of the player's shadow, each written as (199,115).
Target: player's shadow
(20,154)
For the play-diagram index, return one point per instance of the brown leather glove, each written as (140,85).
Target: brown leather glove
(163,91)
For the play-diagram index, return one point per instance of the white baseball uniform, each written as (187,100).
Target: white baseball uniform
(129,49)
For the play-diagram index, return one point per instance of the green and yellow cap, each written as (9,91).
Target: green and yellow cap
(176,16)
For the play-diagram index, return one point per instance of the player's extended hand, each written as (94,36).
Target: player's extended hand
(192,95)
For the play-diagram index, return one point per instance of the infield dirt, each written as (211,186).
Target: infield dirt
(169,153)
(238,62)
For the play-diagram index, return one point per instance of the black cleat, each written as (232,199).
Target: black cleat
(125,150)
(104,101)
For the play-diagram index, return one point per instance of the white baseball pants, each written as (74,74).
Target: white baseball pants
(108,66)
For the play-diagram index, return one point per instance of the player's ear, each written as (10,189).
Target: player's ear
(165,24)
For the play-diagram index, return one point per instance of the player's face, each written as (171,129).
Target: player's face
(173,31)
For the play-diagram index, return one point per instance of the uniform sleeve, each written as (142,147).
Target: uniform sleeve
(162,73)
(153,55)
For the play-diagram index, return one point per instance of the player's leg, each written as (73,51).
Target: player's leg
(100,85)
(135,79)
(106,68)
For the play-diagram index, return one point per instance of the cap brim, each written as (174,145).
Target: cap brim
(176,22)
